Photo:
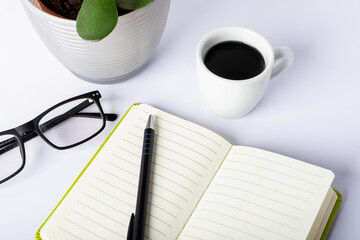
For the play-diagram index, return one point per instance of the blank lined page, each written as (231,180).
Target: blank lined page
(260,195)
(100,204)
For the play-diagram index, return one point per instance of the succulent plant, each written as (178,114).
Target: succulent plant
(98,18)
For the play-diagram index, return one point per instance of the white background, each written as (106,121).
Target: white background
(310,112)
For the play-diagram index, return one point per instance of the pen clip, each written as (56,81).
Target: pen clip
(131,228)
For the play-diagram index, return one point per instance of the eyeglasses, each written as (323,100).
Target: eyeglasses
(65,125)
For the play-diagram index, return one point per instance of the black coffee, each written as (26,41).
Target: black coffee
(234,60)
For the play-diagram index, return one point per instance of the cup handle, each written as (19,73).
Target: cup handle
(284,57)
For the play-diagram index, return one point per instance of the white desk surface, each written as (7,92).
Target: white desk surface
(311,112)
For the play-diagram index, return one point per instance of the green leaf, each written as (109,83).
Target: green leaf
(132,4)
(96,19)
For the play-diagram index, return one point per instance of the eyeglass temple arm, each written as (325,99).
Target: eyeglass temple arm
(75,112)
(108,116)
(11,143)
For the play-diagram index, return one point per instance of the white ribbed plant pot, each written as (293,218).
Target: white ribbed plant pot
(118,56)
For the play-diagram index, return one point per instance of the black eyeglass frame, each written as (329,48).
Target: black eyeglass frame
(31,129)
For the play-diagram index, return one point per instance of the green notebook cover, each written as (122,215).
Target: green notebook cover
(38,237)
(332,215)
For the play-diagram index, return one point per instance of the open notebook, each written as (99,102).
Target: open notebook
(202,187)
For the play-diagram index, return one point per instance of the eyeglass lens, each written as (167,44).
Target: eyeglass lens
(72,122)
(10,156)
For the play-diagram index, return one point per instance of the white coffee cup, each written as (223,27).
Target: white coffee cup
(236,98)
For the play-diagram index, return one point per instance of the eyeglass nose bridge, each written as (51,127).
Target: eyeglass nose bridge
(26,128)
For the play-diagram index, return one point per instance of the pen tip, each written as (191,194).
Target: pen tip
(150,122)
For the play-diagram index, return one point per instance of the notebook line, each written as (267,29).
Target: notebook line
(136,155)
(117,177)
(101,213)
(70,233)
(176,194)
(172,142)
(269,179)
(251,213)
(221,224)
(171,150)
(125,170)
(159,136)
(135,135)
(258,205)
(168,149)
(275,162)
(156,206)
(138,127)
(78,225)
(156,229)
(100,201)
(133,144)
(97,223)
(184,147)
(111,195)
(259,195)
(187,138)
(159,219)
(172,181)
(261,186)
(156,195)
(178,125)
(114,186)
(215,233)
(134,164)
(147,237)
(182,165)
(170,170)
(188,236)
(240,220)
(271,170)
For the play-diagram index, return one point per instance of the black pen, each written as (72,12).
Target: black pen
(137,222)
